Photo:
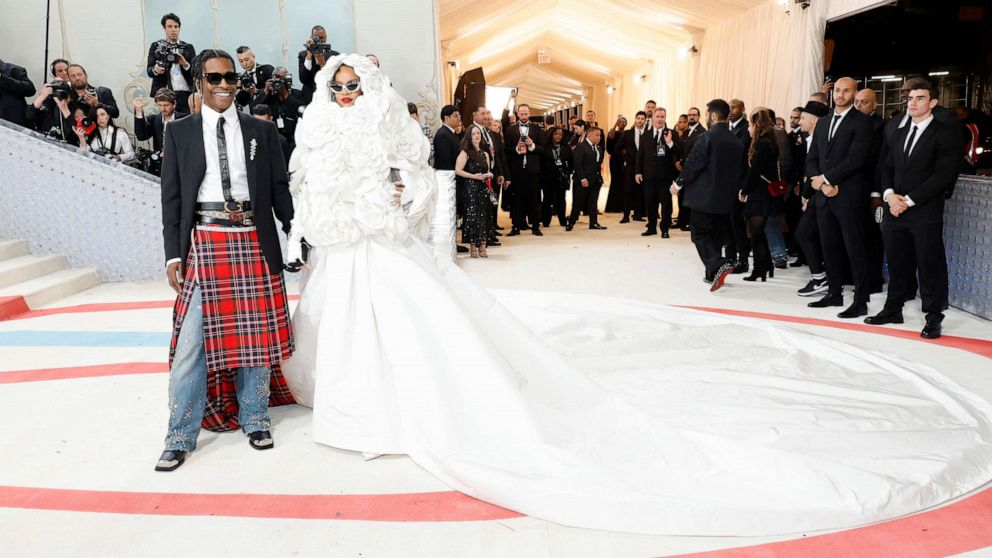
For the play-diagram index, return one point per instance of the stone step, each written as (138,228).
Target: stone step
(25,268)
(12,249)
(54,286)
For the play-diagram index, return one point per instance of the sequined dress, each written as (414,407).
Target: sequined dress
(478,205)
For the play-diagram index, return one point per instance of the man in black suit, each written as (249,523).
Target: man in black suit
(587,179)
(153,127)
(169,61)
(865,102)
(738,245)
(86,97)
(712,178)
(14,87)
(835,166)
(285,103)
(312,58)
(49,113)
(524,148)
(223,176)
(253,79)
(923,161)
(263,112)
(655,170)
(807,230)
(630,143)
(695,130)
(446,141)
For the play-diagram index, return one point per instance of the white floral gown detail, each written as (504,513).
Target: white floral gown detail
(596,413)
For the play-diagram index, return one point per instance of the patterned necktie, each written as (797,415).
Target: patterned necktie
(225,165)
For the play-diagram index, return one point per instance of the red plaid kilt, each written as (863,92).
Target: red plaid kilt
(245,318)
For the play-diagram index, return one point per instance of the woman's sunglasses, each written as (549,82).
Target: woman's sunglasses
(350,87)
(214,78)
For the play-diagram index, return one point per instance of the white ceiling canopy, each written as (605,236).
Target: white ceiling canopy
(589,41)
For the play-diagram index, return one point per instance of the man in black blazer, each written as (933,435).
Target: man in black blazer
(738,246)
(630,143)
(835,165)
(14,87)
(693,133)
(85,96)
(311,59)
(587,179)
(922,162)
(170,61)
(257,74)
(655,170)
(711,179)
(524,148)
(865,102)
(153,127)
(223,170)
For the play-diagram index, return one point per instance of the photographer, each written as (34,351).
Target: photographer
(107,140)
(169,61)
(312,58)
(263,112)
(50,113)
(85,96)
(285,103)
(252,80)
(14,87)
(153,126)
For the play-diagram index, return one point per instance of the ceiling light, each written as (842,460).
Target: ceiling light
(609,89)
(882,77)
(938,73)
(893,79)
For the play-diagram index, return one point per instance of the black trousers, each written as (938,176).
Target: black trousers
(737,244)
(182,98)
(553,202)
(808,239)
(709,233)
(526,201)
(917,250)
(875,250)
(842,231)
(658,192)
(585,200)
(685,213)
(633,195)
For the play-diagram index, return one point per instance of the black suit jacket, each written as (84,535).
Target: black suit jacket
(104,98)
(164,79)
(184,165)
(14,87)
(925,175)
(533,158)
(446,148)
(288,110)
(151,127)
(262,73)
(653,166)
(742,133)
(628,146)
(306,76)
(842,159)
(586,165)
(713,171)
(689,140)
(498,152)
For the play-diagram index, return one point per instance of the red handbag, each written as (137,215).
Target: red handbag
(778,187)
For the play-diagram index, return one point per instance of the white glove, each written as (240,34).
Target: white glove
(295,252)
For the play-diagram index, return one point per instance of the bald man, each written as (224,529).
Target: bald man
(836,168)
(866,103)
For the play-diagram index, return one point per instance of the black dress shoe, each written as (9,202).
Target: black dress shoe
(885,317)
(649,233)
(597,227)
(494,242)
(798,263)
(499,228)
(568,227)
(641,219)
(514,232)
(782,264)
(261,440)
(685,228)
(497,233)
(664,234)
(536,231)
(827,301)
(875,289)
(461,249)
(171,460)
(741,266)
(931,330)
(855,310)
(625,220)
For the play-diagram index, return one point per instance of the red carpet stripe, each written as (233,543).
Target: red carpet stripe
(426,506)
(73,373)
(979,347)
(961,527)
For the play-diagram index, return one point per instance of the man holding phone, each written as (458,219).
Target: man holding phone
(525,146)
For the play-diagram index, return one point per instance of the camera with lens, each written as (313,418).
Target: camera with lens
(166,54)
(148,160)
(104,152)
(318,47)
(245,81)
(278,83)
(60,89)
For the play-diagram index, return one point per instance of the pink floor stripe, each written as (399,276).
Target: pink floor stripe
(102,307)
(73,373)
(425,506)
(961,527)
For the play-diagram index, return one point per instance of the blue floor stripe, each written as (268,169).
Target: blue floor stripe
(84,339)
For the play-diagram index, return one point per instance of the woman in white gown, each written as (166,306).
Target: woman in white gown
(595,413)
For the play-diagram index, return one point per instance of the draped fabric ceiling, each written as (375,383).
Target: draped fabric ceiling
(591,42)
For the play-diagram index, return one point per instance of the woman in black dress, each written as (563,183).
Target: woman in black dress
(473,171)
(758,201)
(614,199)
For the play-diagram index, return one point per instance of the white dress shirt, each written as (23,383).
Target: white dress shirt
(123,147)
(735,123)
(834,126)
(920,128)
(659,135)
(211,188)
(637,137)
(176,77)
(692,129)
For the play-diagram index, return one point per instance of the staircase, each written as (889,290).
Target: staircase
(28,281)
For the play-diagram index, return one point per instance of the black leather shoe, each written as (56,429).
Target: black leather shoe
(827,301)
(641,219)
(885,317)
(499,228)
(931,330)
(514,232)
(782,264)
(798,263)
(494,242)
(261,440)
(497,233)
(685,228)
(741,267)
(171,460)
(625,220)
(855,310)
(597,227)
(568,227)
(649,233)
(536,231)
(461,249)
(665,235)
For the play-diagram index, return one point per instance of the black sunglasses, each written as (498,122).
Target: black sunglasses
(214,78)
(350,87)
